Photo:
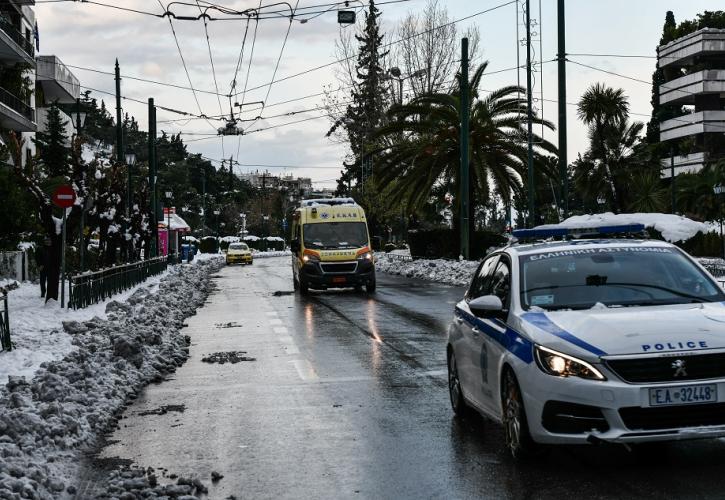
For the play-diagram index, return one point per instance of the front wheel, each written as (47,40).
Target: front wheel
(370,287)
(516,427)
(304,287)
(460,408)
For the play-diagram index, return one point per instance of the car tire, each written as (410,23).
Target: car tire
(295,283)
(304,288)
(516,427)
(370,287)
(458,403)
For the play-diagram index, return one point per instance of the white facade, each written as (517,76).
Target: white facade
(694,69)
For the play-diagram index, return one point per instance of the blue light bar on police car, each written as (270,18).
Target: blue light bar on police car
(574,232)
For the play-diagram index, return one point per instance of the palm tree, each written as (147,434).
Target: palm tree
(602,109)
(424,145)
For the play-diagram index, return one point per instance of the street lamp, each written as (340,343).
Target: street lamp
(216,214)
(169,195)
(394,73)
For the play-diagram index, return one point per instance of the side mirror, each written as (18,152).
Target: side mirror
(486,306)
(294,245)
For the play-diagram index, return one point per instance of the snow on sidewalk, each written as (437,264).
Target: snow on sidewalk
(47,421)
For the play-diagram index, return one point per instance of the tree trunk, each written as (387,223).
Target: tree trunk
(53,266)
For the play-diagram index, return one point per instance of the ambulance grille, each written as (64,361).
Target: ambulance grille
(666,369)
(339,267)
(673,417)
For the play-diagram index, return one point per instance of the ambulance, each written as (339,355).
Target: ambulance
(331,246)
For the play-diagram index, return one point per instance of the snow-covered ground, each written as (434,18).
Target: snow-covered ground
(270,253)
(47,420)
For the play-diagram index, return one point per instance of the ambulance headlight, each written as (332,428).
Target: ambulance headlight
(310,258)
(562,365)
(366,256)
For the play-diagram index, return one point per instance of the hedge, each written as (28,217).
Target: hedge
(445,243)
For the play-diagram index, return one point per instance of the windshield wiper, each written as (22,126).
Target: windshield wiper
(686,295)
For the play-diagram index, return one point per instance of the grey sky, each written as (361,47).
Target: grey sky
(94,36)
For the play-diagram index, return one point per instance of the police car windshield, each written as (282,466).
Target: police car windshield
(613,276)
(335,235)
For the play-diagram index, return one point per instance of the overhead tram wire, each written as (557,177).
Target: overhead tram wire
(400,40)
(213,69)
(246,79)
(279,58)
(186,70)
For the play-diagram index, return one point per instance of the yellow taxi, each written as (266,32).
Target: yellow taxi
(239,253)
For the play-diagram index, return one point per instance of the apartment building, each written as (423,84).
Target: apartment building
(17,59)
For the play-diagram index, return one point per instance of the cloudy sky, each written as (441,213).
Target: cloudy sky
(93,36)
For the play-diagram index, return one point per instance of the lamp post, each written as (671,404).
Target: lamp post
(394,73)
(88,203)
(130,157)
(216,215)
(169,195)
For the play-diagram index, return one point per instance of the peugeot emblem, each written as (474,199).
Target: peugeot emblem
(679,366)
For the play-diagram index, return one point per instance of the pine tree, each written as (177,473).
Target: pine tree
(366,112)
(659,112)
(52,145)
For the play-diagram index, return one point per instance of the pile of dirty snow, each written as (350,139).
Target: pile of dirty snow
(673,228)
(451,272)
(45,422)
(271,253)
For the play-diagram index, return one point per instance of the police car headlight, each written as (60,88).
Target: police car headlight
(365,256)
(562,365)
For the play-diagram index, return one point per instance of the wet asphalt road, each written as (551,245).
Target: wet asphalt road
(347,398)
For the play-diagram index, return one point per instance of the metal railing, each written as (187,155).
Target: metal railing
(16,104)
(5,344)
(17,36)
(91,288)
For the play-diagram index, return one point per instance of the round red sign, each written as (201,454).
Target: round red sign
(64,196)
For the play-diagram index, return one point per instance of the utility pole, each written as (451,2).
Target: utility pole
(529,89)
(120,157)
(561,58)
(464,151)
(82,246)
(152,178)
(231,174)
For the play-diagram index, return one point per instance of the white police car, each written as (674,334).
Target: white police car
(591,340)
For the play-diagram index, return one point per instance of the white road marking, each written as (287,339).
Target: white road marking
(275,321)
(280,329)
(304,369)
(271,313)
(289,345)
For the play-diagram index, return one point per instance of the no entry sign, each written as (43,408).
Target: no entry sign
(64,196)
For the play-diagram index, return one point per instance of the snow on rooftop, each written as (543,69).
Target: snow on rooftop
(673,227)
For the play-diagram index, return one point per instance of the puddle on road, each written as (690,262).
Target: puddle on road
(231,324)
(227,357)
(282,293)
(163,410)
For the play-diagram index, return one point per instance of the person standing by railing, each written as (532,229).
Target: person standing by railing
(42,254)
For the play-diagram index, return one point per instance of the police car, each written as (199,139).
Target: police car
(599,337)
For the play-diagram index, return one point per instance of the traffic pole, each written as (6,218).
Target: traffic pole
(464,150)
(561,58)
(152,179)
(62,263)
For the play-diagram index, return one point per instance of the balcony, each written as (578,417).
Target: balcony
(15,114)
(14,47)
(689,164)
(56,80)
(682,90)
(695,123)
(681,52)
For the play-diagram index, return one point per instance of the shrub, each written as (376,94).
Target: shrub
(445,243)
(209,244)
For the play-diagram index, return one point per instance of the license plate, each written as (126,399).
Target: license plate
(683,395)
(339,279)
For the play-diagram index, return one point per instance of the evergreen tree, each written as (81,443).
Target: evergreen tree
(660,113)
(53,149)
(368,107)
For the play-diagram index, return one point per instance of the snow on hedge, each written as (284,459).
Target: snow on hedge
(451,272)
(46,422)
(673,228)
